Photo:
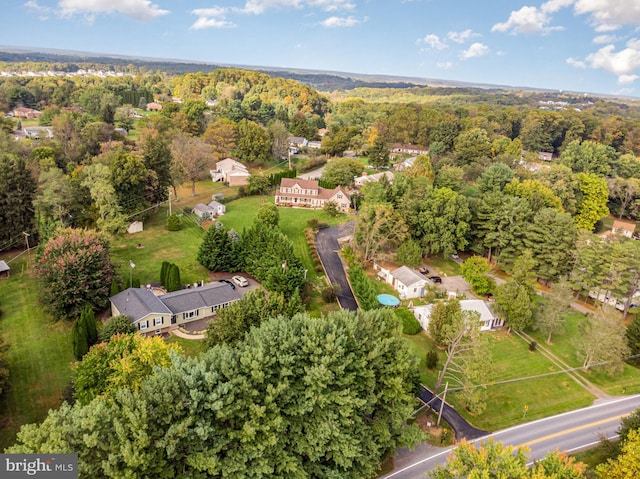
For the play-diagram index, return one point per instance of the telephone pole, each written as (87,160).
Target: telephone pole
(26,237)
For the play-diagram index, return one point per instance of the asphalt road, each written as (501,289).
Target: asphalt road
(327,245)
(571,431)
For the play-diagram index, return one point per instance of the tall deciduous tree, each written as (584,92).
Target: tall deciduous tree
(495,460)
(444,222)
(378,228)
(592,205)
(279,140)
(475,270)
(221,135)
(97,178)
(588,157)
(74,271)
(549,318)
(603,342)
(495,178)
(468,359)
(125,361)
(157,158)
(513,303)
(192,158)
(129,178)
(341,171)
(253,143)
(627,464)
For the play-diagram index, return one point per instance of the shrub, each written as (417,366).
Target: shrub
(313,223)
(174,222)
(432,359)
(410,324)
(330,293)
(533,346)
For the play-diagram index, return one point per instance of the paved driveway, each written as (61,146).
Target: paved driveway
(456,283)
(327,245)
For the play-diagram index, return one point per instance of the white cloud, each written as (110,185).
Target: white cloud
(610,12)
(475,50)
(461,37)
(574,62)
(605,27)
(604,39)
(624,63)
(339,22)
(34,5)
(444,65)
(527,20)
(433,41)
(138,9)
(552,6)
(624,79)
(214,17)
(260,6)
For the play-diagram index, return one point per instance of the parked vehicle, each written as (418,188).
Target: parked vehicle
(423,270)
(240,281)
(436,279)
(228,282)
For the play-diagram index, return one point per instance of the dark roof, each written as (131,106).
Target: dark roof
(4,266)
(138,303)
(210,294)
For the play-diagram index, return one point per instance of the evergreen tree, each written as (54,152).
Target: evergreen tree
(79,338)
(173,278)
(217,252)
(88,320)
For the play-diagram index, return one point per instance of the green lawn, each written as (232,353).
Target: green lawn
(511,359)
(443,266)
(564,346)
(40,355)
(190,347)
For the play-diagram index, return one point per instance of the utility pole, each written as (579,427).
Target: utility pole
(169,201)
(26,237)
(444,396)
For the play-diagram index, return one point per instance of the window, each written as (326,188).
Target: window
(157,321)
(190,314)
(143,324)
(339,196)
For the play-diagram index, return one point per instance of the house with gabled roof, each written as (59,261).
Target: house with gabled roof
(231,172)
(376,177)
(308,194)
(408,282)
(158,314)
(488,320)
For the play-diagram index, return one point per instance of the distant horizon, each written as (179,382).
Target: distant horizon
(557,45)
(372,77)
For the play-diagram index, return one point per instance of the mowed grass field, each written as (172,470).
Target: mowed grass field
(511,359)
(40,353)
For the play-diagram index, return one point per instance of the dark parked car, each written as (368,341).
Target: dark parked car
(423,270)
(436,279)
(233,286)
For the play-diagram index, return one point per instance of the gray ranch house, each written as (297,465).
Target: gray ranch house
(160,314)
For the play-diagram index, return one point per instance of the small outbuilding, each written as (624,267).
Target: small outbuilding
(4,269)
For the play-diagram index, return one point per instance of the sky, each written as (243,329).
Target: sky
(573,45)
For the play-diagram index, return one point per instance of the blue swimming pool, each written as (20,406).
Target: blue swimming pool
(388,300)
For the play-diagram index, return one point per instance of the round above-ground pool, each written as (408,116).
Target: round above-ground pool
(388,300)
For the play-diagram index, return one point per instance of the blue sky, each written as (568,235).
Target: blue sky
(577,45)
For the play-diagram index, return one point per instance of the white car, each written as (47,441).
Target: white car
(240,281)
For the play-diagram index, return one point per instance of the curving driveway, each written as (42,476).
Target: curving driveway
(327,245)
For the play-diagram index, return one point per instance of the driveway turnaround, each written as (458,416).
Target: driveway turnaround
(327,245)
